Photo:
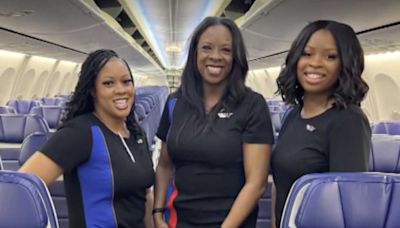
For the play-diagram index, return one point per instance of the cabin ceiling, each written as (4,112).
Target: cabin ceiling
(167,24)
(153,34)
(270,31)
(68,29)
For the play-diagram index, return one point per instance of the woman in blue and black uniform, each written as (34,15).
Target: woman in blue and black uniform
(326,131)
(218,143)
(100,149)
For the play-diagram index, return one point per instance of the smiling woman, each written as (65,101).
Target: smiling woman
(220,133)
(322,80)
(100,149)
(318,67)
(214,57)
(114,95)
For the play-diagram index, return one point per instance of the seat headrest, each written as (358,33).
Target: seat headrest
(386,127)
(22,106)
(22,202)
(344,200)
(51,113)
(30,145)
(385,155)
(15,127)
(140,112)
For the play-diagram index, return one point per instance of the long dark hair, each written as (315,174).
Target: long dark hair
(82,101)
(350,87)
(191,88)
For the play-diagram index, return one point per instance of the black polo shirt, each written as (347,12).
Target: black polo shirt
(104,187)
(209,172)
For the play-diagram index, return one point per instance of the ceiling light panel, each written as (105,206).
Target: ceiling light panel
(167,24)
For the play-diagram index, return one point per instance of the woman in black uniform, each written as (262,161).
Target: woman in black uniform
(326,131)
(100,149)
(219,141)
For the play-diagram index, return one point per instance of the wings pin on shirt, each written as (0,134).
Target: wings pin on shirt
(310,128)
(224,115)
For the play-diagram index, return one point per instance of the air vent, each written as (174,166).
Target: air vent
(151,53)
(126,23)
(138,37)
(111,7)
(146,46)
(237,8)
(116,10)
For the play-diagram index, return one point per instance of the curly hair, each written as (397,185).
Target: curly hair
(82,101)
(191,88)
(350,87)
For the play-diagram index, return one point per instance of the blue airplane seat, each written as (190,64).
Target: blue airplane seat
(145,103)
(140,112)
(385,154)
(57,192)
(393,127)
(52,101)
(264,209)
(22,106)
(379,128)
(25,201)
(7,110)
(343,200)
(14,128)
(51,113)
(386,127)
(30,145)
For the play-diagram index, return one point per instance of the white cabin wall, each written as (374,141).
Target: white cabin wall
(273,74)
(251,82)
(71,83)
(263,81)
(383,76)
(35,66)
(28,77)
(63,79)
(10,67)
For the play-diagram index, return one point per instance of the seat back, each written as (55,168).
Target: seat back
(50,113)
(385,154)
(386,127)
(52,101)
(25,201)
(14,128)
(343,200)
(264,208)
(22,106)
(6,110)
(3,110)
(393,127)
(30,145)
(140,112)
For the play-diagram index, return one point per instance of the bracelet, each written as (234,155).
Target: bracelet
(158,210)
